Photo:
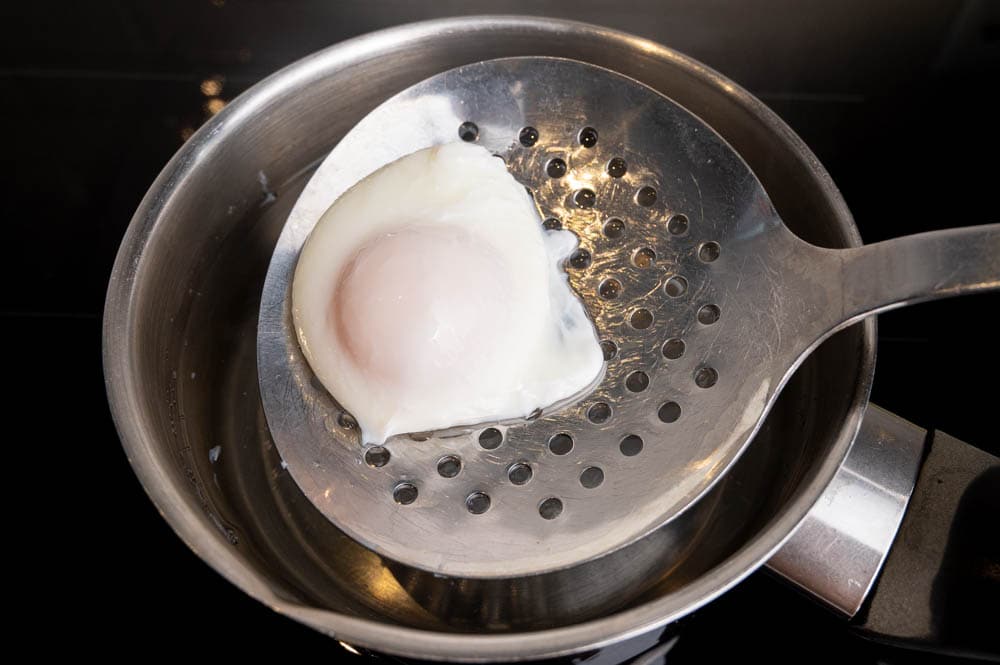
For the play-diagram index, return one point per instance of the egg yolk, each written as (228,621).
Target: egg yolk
(416,306)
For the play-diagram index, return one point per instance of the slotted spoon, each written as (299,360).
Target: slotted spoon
(704,301)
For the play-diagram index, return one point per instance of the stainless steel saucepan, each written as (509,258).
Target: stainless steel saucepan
(180,363)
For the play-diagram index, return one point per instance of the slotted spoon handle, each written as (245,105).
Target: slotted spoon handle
(926,266)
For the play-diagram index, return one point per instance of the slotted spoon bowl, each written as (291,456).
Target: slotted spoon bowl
(704,301)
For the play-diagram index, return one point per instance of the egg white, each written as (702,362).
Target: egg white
(428,296)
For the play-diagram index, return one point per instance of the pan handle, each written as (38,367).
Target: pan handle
(905,541)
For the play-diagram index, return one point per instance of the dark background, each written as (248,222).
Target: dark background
(895,98)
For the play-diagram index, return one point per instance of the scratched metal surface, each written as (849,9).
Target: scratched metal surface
(696,178)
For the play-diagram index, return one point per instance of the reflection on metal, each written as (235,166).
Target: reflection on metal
(350,649)
(838,551)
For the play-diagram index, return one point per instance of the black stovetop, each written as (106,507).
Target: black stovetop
(97,96)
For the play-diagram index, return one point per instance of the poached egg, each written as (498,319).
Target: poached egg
(429,296)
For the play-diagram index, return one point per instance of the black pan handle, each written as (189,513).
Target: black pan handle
(905,540)
(939,589)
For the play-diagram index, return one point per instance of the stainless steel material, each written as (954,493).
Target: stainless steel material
(838,551)
(754,301)
(437,532)
(180,366)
